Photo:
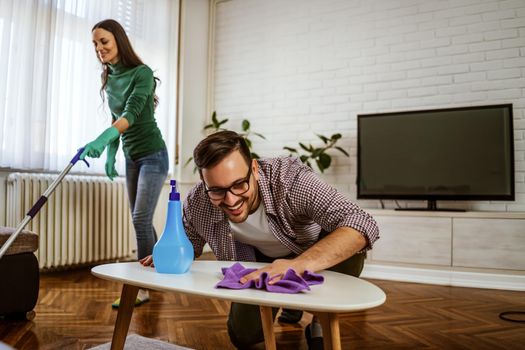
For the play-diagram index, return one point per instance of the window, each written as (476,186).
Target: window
(50,77)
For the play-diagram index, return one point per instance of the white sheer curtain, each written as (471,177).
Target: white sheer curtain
(50,78)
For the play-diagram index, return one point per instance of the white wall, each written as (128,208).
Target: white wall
(193,89)
(193,86)
(299,67)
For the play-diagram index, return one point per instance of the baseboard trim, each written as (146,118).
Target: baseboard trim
(444,277)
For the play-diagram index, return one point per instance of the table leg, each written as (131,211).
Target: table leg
(267,324)
(125,311)
(331,335)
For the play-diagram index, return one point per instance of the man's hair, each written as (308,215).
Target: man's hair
(218,146)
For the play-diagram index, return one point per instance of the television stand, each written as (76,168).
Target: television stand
(432,206)
(480,249)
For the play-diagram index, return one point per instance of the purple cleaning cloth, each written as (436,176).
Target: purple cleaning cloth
(290,283)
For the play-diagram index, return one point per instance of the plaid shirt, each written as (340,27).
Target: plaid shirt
(298,205)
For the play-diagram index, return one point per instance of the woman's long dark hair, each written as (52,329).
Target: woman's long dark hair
(127,55)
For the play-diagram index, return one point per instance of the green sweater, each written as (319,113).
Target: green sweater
(130,95)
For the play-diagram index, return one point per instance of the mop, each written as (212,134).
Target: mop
(40,202)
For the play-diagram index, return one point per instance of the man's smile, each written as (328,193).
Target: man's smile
(235,209)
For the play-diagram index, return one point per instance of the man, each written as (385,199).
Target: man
(275,210)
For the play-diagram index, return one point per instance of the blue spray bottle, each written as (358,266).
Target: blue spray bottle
(173,253)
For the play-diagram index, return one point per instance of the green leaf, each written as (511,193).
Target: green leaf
(304,159)
(255,155)
(324,138)
(245,125)
(188,161)
(293,150)
(324,161)
(308,163)
(317,152)
(336,137)
(209,126)
(261,136)
(307,149)
(222,122)
(248,143)
(320,166)
(214,120)
(342,150)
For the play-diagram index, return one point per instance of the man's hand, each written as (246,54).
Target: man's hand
(276,270)
(147,261)
(329,251)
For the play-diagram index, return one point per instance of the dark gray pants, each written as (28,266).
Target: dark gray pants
(244,321)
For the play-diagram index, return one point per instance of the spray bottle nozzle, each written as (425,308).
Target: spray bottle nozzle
(174,195)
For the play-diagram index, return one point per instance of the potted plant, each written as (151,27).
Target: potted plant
(318,154)
(217,125)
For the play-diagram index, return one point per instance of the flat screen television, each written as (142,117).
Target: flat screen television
(441,154)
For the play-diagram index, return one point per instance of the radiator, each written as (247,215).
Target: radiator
(86,219)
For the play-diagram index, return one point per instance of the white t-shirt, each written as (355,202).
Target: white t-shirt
(256,232)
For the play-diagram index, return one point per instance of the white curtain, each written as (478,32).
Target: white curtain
(50,77)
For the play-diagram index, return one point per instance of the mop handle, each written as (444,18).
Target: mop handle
(40,202)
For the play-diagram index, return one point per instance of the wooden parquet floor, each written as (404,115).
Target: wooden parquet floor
(74,312)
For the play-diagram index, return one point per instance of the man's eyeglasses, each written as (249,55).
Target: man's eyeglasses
(238,188)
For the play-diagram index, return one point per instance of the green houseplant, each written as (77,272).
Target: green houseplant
(309,153)
(318,154)
(217,125)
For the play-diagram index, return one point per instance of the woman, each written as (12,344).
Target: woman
(130,89)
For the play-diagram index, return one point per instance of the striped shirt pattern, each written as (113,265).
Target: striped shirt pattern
(298,205)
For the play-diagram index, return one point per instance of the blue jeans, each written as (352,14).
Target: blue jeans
(144,178)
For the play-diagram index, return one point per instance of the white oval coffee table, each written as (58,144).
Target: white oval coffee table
(339,293)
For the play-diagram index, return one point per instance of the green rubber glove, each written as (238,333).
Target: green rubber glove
(95,148)
(111,172)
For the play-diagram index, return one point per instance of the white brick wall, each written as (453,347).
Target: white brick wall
(299,67)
